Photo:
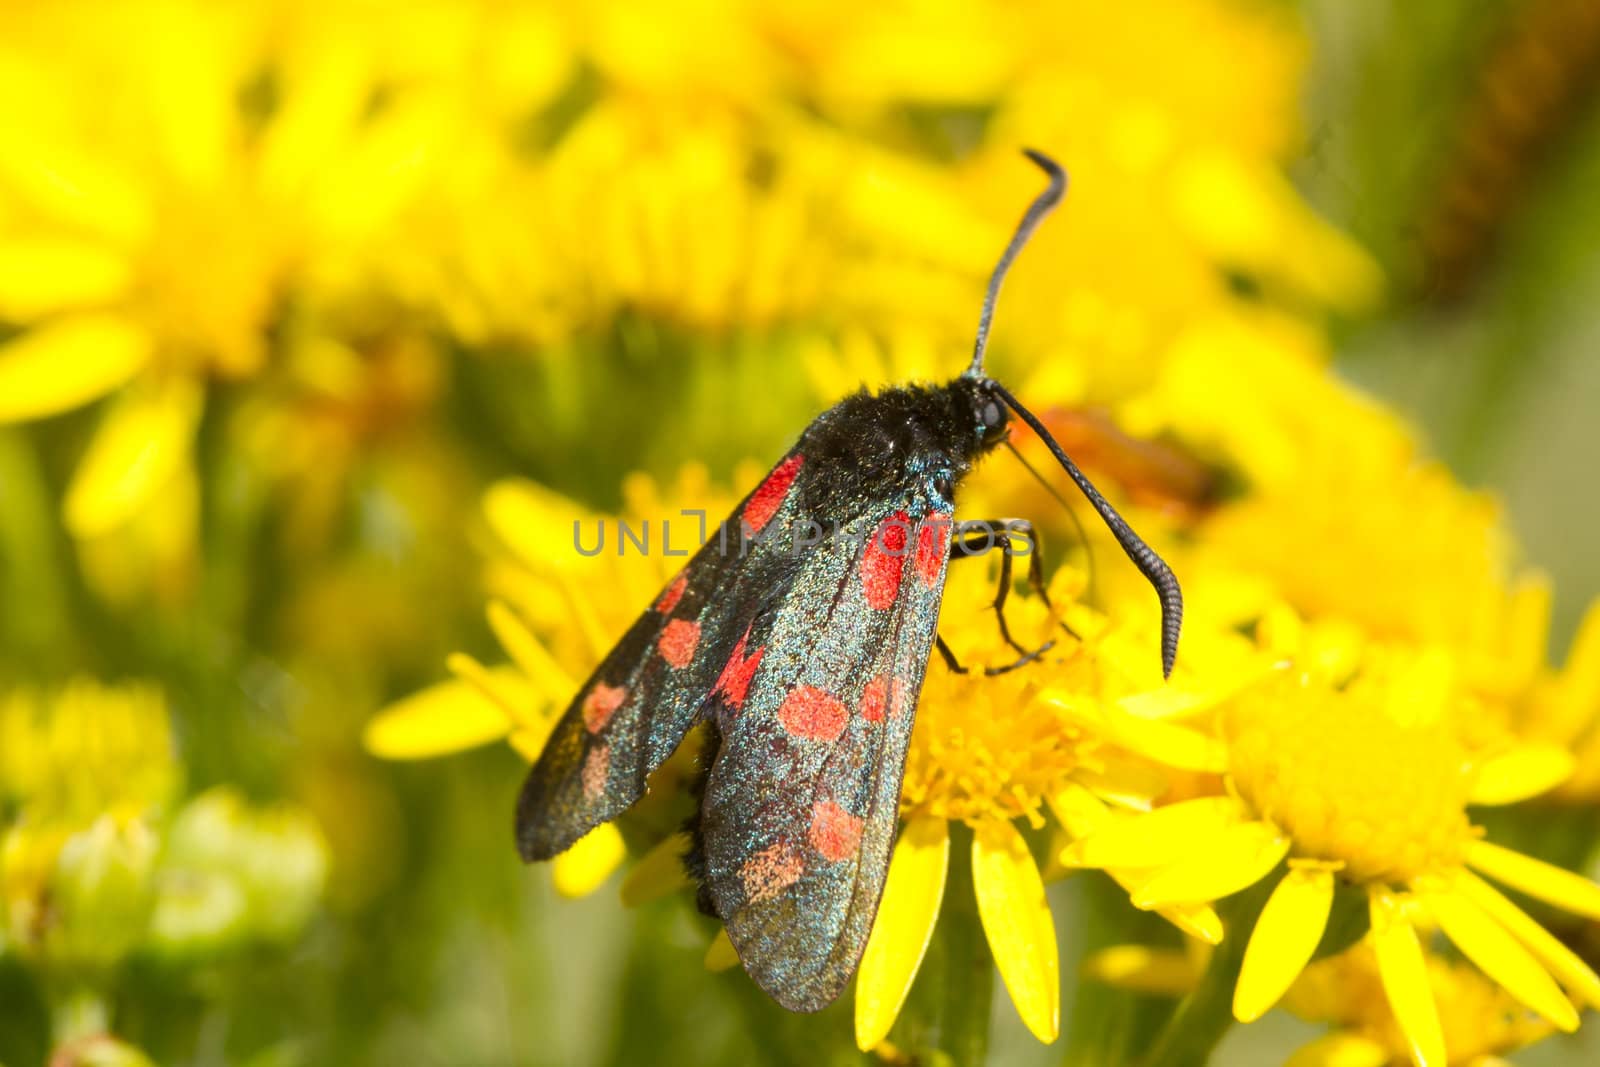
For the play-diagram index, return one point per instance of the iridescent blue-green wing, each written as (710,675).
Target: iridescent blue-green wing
(634,710)
(801,803)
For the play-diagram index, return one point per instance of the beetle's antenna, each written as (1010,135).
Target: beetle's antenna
(1030,220)
(1152,566)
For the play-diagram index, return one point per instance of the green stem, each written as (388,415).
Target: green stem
(78,1012)
(1206,1014)
(969,968)
(946,1017)
(1108,1026)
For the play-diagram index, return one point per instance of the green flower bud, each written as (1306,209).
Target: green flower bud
(100,893)
(273,863)
(197,913)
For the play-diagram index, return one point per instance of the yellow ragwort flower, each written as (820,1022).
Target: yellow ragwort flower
(556,611)
(1068,738)
(1362,775)
(1480,1021)
(151,230)
(85,770)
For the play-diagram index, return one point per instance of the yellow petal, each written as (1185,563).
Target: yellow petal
(1565,964)
(1082,813)
(529,741)
(1404,974)
(1500,956)
(1580,676)
(658,873)
(536,523)
(1539,879)
(1169,743)
(529,653)
(441,719)
(584,867)
(1141,969)
(383,170)
(1127,781)
(1283,941)
(524,708)
(324,91)
(1164,835)
(1420,689)
(1339,1050)
(1519,773)
(67,363)
(144,440)
(1528,626)
(1197,920)
(43,276)
(720,954)
(83,192)
(1079,810)
(912,894)
(1239,857)
(1016,919)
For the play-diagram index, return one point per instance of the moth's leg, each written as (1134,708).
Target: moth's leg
(950,660)
(1001,533)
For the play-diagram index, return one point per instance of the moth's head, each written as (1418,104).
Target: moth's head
(984,411)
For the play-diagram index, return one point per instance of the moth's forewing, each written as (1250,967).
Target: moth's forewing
(801,805)
(635,708)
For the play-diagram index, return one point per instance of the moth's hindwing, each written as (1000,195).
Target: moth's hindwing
(801,803)
(637,705)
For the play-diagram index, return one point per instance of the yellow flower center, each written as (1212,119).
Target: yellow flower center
(209,276)
(983,747)
(1351,779)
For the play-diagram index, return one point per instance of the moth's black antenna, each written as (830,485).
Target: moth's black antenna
(1152,566)
(1030,220)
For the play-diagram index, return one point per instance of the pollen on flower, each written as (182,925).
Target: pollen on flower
(1479,1018)
(985,747)
(1348,780)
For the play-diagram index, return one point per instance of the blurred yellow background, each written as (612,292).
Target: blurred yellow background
(319,321)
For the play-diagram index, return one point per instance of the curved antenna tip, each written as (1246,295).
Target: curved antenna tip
(1046,164)
(1031,218)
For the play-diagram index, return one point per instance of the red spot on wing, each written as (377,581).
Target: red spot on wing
(834,832)
(814,714)
(768,497)
(883,696)
(884,561)
(601,703)
(933,547)
(672,594)
(596,768)
(677,642)
(770,871)
(734,681)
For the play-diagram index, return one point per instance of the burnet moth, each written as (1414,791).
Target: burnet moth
(799,635)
